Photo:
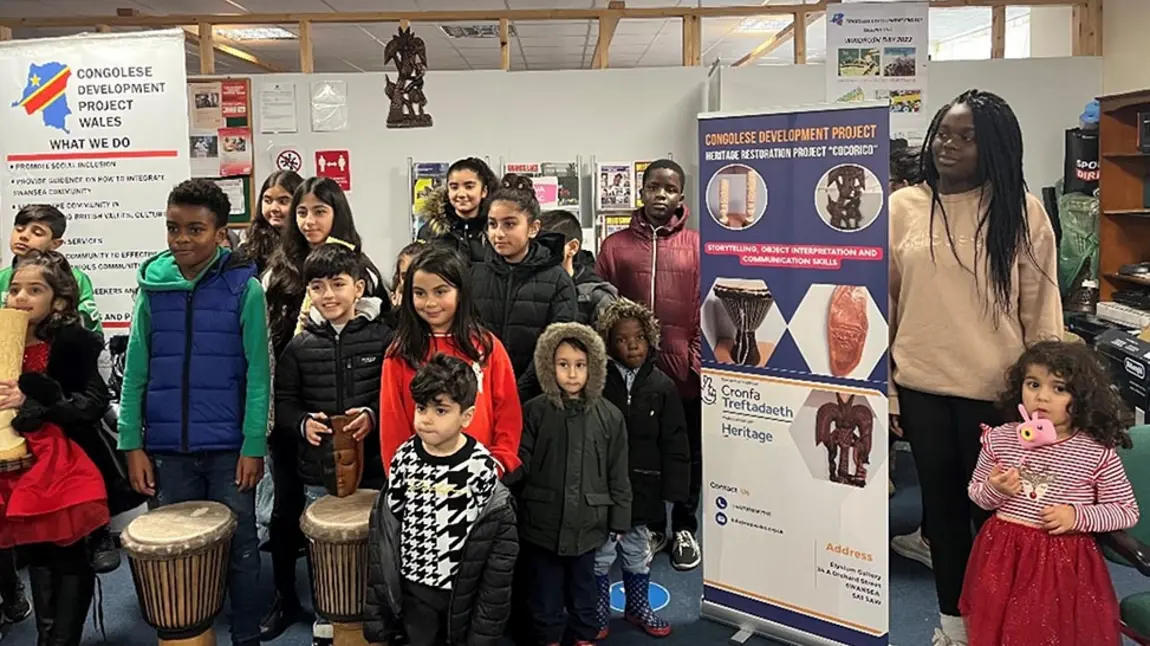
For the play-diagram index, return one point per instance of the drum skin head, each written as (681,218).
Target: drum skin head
(178,530)
(339,520)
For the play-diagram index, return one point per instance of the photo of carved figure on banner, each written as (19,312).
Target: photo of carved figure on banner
(408,102)
(846,430)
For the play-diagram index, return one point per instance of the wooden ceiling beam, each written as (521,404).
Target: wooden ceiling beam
(207,34)
(629,13)
(782,37)
(224,46)
(607,24)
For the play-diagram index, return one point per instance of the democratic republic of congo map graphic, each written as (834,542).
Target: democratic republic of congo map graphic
(46,93)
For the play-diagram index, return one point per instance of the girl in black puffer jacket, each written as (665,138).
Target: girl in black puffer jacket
(521,287)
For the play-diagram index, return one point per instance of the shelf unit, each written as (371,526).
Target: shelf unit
(1124,227)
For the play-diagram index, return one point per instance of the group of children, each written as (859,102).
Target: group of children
(525,420)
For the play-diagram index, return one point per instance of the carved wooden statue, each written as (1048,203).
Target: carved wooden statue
(409,53)
(850,437)
(846,212)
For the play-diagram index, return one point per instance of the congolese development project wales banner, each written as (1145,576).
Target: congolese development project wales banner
(794,316)
(96,126)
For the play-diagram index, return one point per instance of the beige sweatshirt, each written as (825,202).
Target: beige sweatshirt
(943,333)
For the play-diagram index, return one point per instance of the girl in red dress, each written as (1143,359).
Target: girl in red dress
(51,507)
(1036,576)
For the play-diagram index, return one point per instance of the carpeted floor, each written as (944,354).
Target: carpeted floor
(913,609)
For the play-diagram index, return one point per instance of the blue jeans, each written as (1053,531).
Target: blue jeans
(212,476)
(636,548)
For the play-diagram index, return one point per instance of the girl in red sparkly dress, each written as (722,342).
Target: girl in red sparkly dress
(1036,577)
(52,506)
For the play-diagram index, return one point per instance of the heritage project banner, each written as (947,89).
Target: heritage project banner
(794,317)
(97,125)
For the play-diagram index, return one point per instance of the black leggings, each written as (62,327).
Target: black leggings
(944,438)
(283,530)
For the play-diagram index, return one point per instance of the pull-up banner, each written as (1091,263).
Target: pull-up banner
(794,318)
(97,126)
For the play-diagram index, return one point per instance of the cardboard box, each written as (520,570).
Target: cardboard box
(1128,359)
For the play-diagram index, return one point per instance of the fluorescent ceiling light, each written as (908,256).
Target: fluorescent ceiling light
(475,31)
(762,24)
(257,33)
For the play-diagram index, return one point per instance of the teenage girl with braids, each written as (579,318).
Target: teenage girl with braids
(972,285)
(456,214)
(319,212)
(272,215)
(905,170)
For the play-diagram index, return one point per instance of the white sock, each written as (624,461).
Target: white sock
(954,627)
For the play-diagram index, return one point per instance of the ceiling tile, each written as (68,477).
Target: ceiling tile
(470,5)
(25,9)
(552,29)
(163,6)
(364,5)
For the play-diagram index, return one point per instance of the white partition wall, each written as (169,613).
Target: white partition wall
(1047,94)
(628,114)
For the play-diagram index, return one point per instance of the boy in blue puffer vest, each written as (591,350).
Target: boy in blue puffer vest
(195,394)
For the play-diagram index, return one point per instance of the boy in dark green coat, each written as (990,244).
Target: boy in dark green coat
(576,489)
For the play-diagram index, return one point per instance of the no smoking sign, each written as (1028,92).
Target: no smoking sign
(289,159)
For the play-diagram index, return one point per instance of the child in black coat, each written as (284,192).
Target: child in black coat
(658,457)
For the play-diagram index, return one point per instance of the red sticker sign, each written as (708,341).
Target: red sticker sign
(335,165)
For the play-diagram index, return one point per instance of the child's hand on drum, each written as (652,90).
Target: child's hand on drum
(360,424)
(10,395)
(248,472)
(140,472)
(315,427)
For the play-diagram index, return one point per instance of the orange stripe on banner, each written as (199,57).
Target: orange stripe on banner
(48,92)
(124,154)
(791,606)
(793,382)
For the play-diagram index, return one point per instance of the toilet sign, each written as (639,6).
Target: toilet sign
(335,165)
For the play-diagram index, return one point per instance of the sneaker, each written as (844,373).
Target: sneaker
(15,610)
(105,554)
(913,547)
(322,634)
(658,542)
(940,639)
(685,552)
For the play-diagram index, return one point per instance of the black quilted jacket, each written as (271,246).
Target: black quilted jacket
(480,593)
(517,302)
(320,372)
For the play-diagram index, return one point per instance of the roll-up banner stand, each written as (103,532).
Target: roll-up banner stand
(794,317)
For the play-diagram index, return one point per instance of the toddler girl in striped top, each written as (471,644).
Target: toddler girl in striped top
(1035,575)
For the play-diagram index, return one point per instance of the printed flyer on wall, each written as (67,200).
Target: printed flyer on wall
(794,320)
(879,51)
(97,126)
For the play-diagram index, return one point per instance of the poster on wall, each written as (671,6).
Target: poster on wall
(614,184)
(879,51)
(567,173)
(529,169)
(794,321)
(234,99)
(334,165)
(235,151)
(205,101)
(96,125)
(640,168)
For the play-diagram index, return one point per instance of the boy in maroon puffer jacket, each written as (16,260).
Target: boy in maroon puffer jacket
(655,261)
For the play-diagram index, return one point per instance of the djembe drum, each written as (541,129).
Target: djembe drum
(748,308)
(179,558)
(336,529)
(14,455)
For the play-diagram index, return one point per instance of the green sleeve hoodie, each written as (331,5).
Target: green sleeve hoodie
(161,273)
(89,312)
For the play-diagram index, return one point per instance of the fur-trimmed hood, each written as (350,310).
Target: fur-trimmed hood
(545,348)
(441,217)
(628,309)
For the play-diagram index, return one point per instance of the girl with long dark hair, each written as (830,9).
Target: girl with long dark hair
(438,316)
(972,285)
(273,211)
(319,213)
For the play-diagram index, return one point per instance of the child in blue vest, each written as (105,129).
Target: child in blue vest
(195,395)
